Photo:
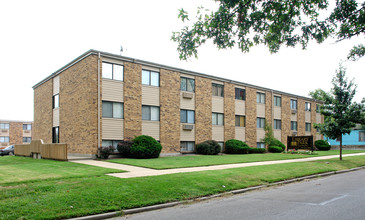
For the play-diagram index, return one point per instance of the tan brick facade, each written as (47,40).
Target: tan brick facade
(313,120)
(170,111)
(285,118)
(78,109)
(301,117)
(229,111)
(42,126)
(268,108)
(16,133)
(132,100)
(251,114)
(203,109)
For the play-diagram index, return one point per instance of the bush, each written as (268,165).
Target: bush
(257,150)
(209,147)
(124,148)
(234,146)
(278,143)
(144,147)
(275,149)
(106,151)
(322,145)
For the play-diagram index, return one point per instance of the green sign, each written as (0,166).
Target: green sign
(300,143)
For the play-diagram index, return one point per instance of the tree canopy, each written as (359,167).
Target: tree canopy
(274,23)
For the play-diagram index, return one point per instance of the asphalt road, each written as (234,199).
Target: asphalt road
(340,196)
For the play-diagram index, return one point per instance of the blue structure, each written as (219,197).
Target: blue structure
(356,137)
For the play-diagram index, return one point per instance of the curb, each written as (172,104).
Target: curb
(233,192)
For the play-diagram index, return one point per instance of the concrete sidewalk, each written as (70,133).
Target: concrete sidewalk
(133,171)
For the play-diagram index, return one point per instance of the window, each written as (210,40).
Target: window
(293,125)
(113,71)
(27,127)
(277,101)
(4,139)
(187,116)
(150,78)
(277,124)
(361,136)
(56,101)
(113,109)
(260,97)
(4,126)
(308,127)
(317,130)
(217,119)
(27,139)
(151,113)
(187,84)
(318,108)
(308,106)
(56,135)
(240,121)
(293,104)
(260,122)
(260,145)
(240,94)
(107,143)
(217,90)
(187,146)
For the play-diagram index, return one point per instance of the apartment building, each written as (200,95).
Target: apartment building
(15,132)
(101,98)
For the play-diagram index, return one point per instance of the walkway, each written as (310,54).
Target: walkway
(133,171)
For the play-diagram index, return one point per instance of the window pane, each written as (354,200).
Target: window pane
(145,77)
(221,91)
(214,118)
(155,113)
(106,143)
(155,79)
(107,70)
(242,121)
(191,117)
(56,101)
(183,118)
(190,85)
(117,110)
(220,119)
(214,90)
(258,97)
(183,84)
(237,120)
(118,72)
(107,109)
(146,113)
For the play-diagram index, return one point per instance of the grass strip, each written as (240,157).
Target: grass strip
(79,196)
(208,160)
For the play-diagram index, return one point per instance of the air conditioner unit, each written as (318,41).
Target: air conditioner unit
(187,95)
(26,131)
(188,127)
(4,130)
(293,111)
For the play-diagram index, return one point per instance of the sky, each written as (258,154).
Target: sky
(39,37)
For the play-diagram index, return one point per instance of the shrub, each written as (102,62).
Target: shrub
(275,149)
(209,147)
(124,148)
(278,143)
(257,150)
(322,145)
(106,151)
(234,146)
(144,147)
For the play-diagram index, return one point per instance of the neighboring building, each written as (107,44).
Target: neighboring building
(355,138)
(15,132)
(101,98)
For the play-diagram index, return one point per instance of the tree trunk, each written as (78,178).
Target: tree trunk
(341,147)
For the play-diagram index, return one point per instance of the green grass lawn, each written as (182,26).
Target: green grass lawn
(207,160)
(92,193)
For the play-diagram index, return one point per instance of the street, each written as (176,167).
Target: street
(340,196)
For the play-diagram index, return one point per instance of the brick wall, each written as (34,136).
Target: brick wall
(268,108)
(42,125)
(301,117)
(132,100)
(229,111)
(251,113)
(16,133)
(203,109)
(285,118)
(170,111)
(78,106)
(313,120)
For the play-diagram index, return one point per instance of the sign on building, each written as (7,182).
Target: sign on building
(300,143)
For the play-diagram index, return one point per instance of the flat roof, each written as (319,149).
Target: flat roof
(147,63)
(3,120)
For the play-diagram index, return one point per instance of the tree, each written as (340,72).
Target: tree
(318,94)
(271,22)
(269,134)
(340,113)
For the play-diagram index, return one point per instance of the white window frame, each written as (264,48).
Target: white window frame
(113,65)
